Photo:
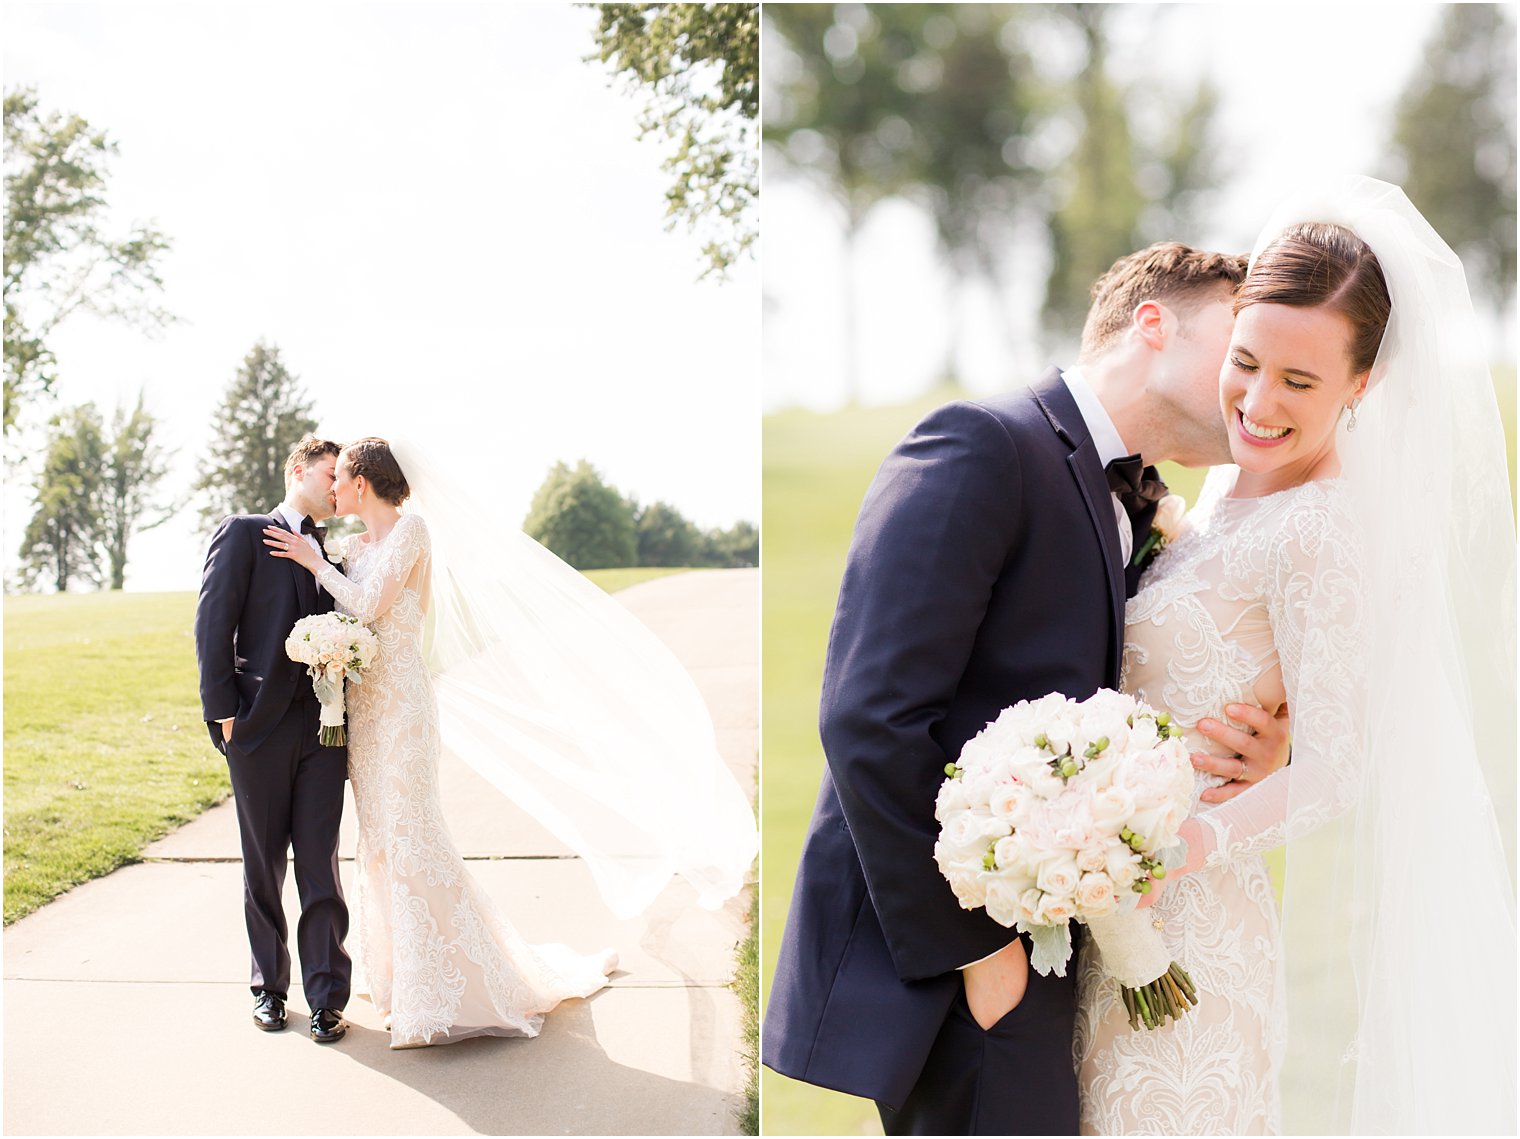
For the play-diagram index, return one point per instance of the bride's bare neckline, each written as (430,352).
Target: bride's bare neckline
(367,537)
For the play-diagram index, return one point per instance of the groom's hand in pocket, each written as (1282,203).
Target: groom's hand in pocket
(1261,750)
(995,985)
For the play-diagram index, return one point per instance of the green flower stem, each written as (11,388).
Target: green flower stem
(1152,540)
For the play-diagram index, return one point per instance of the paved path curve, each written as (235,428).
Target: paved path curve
(127,1006)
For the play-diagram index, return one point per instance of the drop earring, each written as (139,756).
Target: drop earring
(1351,422)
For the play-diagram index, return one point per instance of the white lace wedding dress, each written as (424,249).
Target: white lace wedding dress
(441,963)
(1221,617)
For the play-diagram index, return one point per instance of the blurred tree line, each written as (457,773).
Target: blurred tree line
(590,525)
(1008,125)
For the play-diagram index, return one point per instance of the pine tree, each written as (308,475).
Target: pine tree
(262,417)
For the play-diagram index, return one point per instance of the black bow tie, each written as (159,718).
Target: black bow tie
(1136,485)
(310,527)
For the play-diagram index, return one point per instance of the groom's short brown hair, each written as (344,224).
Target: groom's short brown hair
(1177,275)
(308,451)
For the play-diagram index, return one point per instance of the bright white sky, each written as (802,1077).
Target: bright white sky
(1306,91)
(438,211)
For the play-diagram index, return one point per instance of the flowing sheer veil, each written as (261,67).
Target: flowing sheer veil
(571,706)
(1399,918)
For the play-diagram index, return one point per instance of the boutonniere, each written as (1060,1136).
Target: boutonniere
(1164,528)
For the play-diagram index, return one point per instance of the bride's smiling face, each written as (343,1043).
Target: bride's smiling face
(1287,377)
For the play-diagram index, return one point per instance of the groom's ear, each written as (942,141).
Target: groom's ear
(1148,322)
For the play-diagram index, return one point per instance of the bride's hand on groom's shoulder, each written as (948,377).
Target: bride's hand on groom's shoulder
(1259,752)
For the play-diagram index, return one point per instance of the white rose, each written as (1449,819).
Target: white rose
(1111,809)
(1063,731)
(1059,876)
(1169,514)
(1123,865)
(1143,735)
(1035,849)
(1009,852)
(1095,893)
(1002,901)
(962,832)
(964,879)
(1055,910)
(952,798)
(1029,904)
(978,787)
(1038,777)
(1092,858)
(1006,799)
(1149,824)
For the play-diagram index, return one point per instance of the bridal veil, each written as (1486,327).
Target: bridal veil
(572,707)
(1398,904)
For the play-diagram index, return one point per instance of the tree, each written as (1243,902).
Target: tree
(59,259)
(666,538)
(1454,140)
(698,66)
(839,116)
(1099,219)
(61,544)
(733,548)
(582,519)
(262,417)
(135,464)
(976,99)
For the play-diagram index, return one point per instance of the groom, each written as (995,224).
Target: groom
(990,563)
(262,714)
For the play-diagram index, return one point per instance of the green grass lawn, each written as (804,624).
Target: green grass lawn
(816,471)
(105,749)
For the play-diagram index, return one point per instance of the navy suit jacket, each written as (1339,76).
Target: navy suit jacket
(249,602)
(985,569)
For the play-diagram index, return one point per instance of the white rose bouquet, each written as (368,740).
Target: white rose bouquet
(1061,810)
(334,648)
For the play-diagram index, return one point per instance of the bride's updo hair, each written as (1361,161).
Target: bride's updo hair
(372,458)
(1318,263)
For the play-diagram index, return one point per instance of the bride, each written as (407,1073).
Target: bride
(442,963)
(1357,564)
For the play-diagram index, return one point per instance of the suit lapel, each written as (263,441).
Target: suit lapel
(305,585)
(1060,409)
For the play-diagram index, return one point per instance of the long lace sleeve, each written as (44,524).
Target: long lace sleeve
(402,549)
(1315,602)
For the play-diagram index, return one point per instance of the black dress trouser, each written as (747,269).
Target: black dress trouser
(289,795)
(1015,1078)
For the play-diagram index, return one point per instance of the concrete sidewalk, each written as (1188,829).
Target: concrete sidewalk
(127,1004)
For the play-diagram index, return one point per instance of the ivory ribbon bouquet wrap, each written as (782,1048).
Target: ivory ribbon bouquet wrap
(1063,810)
(334,648)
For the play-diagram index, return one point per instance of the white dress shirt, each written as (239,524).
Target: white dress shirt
(293,518)
(1105,437)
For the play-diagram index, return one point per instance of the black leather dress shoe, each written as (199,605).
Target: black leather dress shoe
(327,1025)
(268,1011)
